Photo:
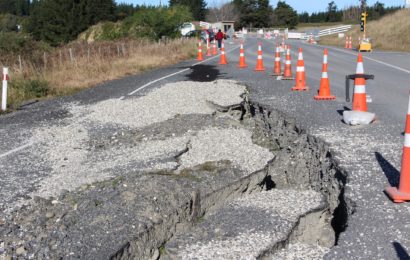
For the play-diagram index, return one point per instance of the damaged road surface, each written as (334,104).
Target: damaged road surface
(190,170)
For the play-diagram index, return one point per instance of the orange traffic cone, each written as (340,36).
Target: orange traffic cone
(300,73)
(350,43)
(222,60)
(259,62)
(242,63)
(324,90)
(214,49)
(208,48)
(347,43)
(287,75)
(359,96)
(402,194)
(277,67)
(200,56)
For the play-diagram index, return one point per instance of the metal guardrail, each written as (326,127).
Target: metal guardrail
(335,30)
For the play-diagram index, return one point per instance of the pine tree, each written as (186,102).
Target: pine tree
(255,13)
(197,7)
(285,15)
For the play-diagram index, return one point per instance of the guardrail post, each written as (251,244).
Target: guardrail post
(4,92)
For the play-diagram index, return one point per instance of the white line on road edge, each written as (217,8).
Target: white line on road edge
(176,73)
(365,57)
(15,150)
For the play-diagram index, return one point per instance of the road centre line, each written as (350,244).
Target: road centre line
(176,73)
(16,150)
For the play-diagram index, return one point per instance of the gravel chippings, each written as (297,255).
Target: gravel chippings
(180,98)
(287,204)
(234,145)
(299,251)
(99,141)
(246,227)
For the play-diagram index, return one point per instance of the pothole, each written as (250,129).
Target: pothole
(139,214)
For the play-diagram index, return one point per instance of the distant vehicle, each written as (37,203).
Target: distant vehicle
(202,34)
(186,28)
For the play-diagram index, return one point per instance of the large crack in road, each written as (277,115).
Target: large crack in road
(190,169)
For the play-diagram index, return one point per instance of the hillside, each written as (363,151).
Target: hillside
(389,33)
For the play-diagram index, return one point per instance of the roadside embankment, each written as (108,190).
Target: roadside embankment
(388,33)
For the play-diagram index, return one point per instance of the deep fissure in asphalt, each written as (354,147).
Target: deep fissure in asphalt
(313,168)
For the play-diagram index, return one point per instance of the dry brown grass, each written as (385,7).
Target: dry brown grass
(391,32)
(81,65)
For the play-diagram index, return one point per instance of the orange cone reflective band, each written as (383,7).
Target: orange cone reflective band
(200,56)
(214,50)
(347,43)
(208,48)
(359,96)
(402,194)
(277,67)
(222,60)
(259,62)
(324,89)
(300,73)
(288,67)
(242,63)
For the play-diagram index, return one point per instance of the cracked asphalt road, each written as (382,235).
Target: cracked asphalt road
(370,154)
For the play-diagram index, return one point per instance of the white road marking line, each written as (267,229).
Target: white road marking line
(16,150)
(368,58)
(176,73)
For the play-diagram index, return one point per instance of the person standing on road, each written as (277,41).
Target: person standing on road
(219,36)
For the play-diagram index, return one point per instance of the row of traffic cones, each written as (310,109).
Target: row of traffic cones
(211,50)
(349,43)
(324,92)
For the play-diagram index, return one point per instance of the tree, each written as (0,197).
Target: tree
(226,12)
(331,12)
(197,7)
(254,13)
(59,21)
(285,15)
(304,17)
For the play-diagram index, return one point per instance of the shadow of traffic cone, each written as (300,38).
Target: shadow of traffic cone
(359,96)
(402,193)
(208,48)
(214,49)
(324,89)
(300,74)
(222,60)
(347,43)
(242,63)
(259,62)
(200,56)
(287,74)
(277,66)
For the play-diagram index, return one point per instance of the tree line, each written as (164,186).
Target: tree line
(60,21)
(349,14)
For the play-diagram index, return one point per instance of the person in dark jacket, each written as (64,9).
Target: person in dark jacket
(219,37)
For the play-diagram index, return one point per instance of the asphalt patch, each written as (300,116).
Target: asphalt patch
(203,73)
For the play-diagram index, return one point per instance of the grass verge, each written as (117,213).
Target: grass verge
(389,33)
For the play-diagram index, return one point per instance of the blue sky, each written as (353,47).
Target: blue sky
(299,5)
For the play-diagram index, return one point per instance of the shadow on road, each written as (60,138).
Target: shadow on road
(203,73)
(345,108)
(401,252)
(392,174)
